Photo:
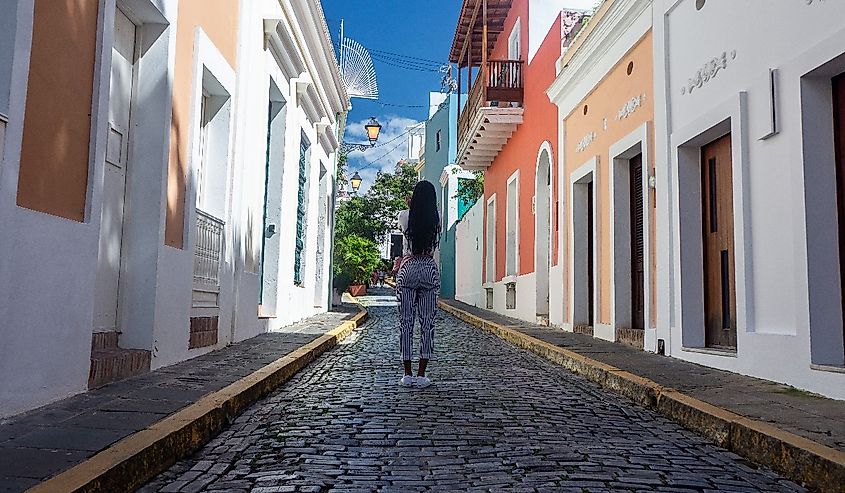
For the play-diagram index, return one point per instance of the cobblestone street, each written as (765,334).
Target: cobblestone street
(496,419)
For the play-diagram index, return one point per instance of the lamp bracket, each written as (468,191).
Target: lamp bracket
(347,147)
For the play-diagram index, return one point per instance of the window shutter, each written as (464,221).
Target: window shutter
(300,215)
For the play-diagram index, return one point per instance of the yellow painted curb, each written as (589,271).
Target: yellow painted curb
(800,459)
(134,460)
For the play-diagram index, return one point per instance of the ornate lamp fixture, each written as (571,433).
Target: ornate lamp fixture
(373,128)
(355,181)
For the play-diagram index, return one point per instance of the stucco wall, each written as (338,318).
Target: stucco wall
(521,151)
(219,20)
(435,161)
(54,172)
(8,22)
(468,246)
(787,301)
(603,104)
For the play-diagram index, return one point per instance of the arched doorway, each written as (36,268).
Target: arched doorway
(543,230)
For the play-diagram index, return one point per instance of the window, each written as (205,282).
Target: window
(213,146)
(203,146)
(512,227)
(437,142)
(514,42)
(299,252)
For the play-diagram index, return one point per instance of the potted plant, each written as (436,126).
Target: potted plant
(358,257)
(340,283)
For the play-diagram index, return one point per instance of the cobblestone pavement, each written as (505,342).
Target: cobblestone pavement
(496,419)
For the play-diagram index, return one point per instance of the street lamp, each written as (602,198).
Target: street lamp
(355,181)
(373,128)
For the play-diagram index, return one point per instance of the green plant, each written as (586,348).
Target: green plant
(374,214)
(341,281)
(358,257)
(470,190)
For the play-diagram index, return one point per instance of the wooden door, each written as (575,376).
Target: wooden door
(114,175)
(839,139)
(637,244)
(718,232)
(590,256)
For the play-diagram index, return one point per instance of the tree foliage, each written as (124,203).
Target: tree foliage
(389,193)
(358,217)
(470,190)
(357,258)
(374,214)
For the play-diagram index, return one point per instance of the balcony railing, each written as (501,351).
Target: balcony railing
(208,253)
(500,84)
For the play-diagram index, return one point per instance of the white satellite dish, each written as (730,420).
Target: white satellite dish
(357,70)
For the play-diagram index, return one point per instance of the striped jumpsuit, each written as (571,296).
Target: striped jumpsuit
(417,286)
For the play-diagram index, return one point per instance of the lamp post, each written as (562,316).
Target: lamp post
(355,181)
(373,128)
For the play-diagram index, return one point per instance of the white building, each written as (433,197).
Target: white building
(750,116)
(174,217)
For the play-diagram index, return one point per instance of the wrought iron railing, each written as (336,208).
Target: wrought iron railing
(208,253)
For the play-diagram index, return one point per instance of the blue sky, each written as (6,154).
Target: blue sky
(422,29)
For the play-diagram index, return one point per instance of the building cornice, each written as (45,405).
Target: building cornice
(315,46)
(586,54)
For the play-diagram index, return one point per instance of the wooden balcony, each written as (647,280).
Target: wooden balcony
(493,111)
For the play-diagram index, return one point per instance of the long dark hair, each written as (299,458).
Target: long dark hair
(423,220)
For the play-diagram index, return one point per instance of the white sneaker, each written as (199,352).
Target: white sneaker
(407,381)
(423,382)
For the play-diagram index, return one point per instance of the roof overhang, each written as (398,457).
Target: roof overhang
(488,133)
(471,27)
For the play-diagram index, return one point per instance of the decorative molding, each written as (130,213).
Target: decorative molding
(607,31)
(630,107)
(708,72)
(585,142)
(270,26)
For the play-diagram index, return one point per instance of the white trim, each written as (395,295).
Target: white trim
(488,254)
(206,57)
(620,28)
(513,177)
(545,147)
(726,117)
(516,32)
(4,118)
(99,111)
(637,142)
(584,174)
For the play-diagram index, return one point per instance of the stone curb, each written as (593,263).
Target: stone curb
(134,460)
(817,466)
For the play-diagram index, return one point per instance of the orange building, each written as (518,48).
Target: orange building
(508,129)
(604,91)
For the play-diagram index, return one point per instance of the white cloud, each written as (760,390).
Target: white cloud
(391,148)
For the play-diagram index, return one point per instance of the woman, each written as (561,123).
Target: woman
(419,282)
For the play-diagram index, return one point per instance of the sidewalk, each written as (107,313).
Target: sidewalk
(727,397)
(46,441)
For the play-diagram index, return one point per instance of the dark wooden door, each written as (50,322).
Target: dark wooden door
(839,139)
(637,244)
(590,256)
(718,226)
